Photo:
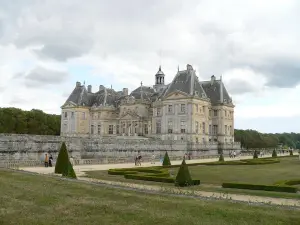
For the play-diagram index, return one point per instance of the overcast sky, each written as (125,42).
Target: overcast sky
(48,45)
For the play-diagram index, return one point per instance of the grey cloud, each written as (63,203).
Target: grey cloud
(41,77)
(236,86)
(17,100)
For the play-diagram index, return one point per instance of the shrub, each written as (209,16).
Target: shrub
(70,173)
(166,161)
(291,153)
(288,182)
(260,187)
(62,161)
(255,155)
(274,154)
(221,158)
(183,177)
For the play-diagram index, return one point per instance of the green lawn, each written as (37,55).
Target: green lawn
(213,176)
(36,199)
(288,168)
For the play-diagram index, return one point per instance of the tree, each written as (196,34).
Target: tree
(221,158)
(183,177)
(255,156)
(62,162)
(166,161)
(274,154)
(70,173)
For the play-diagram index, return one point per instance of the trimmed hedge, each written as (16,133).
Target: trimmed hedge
(261,161)
(156,174)
(261,187)
(166,161)
(62,161)
(183,177)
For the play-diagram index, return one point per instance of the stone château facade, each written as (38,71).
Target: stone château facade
(186,109)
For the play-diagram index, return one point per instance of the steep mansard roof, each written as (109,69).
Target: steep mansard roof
(185,81)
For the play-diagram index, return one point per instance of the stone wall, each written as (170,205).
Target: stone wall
(34,147)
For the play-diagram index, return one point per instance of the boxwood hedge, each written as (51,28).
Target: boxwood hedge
(277,188)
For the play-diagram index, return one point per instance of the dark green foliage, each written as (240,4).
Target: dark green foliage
(260,187)
(274,154)
(17,121)
(291,152)
(255,155)
(62,162)
(183,177)
(166,161)
(156,174)
(288,182)
(221,158)
(261,161)
(70,173)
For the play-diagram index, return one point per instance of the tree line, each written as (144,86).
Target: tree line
(13,120)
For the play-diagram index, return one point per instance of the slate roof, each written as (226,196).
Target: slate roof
(184,81)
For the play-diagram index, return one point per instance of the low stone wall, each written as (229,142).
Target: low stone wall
(107,149)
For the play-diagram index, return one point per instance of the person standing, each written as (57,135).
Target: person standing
(50,160)
(72,161)
(234,154)
(46,160)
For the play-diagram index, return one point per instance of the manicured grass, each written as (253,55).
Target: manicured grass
(254,174)
(35,199)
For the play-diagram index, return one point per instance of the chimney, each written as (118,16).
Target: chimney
(78,84)
(221,90)
(189,67)
(212,79)
(125,91)
(89,88)
(101,87)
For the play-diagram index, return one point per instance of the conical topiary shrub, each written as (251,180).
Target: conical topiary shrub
(166,161)
(221,158)
(291,152)
(255,156)
(274,153)
(70,173)
(62,161)
(183,177)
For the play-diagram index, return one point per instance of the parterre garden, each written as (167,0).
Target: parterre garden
(277,174)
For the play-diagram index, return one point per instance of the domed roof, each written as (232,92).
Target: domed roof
(159,72)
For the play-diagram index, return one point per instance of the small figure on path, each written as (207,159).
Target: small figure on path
(234,154)
(153,159)
(46,160)
(50,160)
(72,161)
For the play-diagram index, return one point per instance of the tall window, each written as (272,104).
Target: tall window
(83,116)
(197,108)
(99,129)
(123,128)
(209,113)
(215,129)
(92,129)
(182,126)
(209,131)
(146,128)
(66,115)
(118,129)
(158,127)
(230,130)
(225,129)
(197,127)
(215,112)
(110,129)
(225,113)
(72,115)
(135,128)
(203,127)
(182,108)
(170,126)
(170,108)
(203,109)
(158,111)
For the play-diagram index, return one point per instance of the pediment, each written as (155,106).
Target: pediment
(130,116)
(69,104)
(176,95)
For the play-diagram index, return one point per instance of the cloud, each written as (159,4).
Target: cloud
(253,44)
(42,76)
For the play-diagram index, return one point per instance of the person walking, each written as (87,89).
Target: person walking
(46,160)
